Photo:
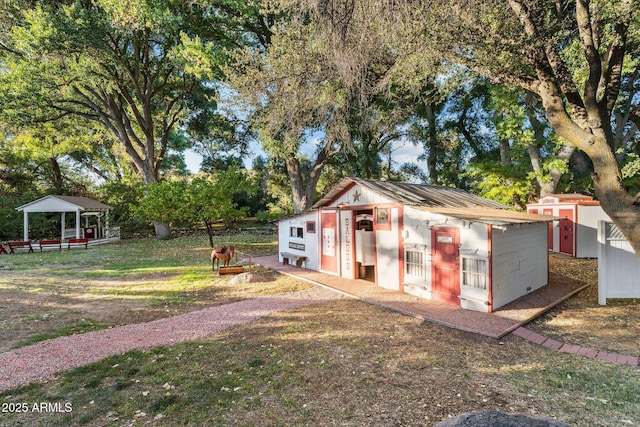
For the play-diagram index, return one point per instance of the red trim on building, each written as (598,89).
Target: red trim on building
(311,227)
(340,194)
(575,231)
(382,218)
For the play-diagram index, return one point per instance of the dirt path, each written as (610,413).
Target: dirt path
(40,362)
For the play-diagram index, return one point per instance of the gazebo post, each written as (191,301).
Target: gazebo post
(78,222)
(26,225)
(106,224)
(63,225)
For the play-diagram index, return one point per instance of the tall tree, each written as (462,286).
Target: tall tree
(531,44)
(127,65)
(102,65)
(297,99)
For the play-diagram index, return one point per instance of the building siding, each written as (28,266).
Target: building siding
(387,263)
(519,261)
(311,243)
(618,265)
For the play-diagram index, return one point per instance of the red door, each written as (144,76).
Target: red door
(446,265)
(550,226)
(329,248)
(566,231)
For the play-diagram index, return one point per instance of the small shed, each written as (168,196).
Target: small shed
(618,265)
(83,207)
(576,232)
(433,242)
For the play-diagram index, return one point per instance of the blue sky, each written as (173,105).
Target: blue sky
(405,152)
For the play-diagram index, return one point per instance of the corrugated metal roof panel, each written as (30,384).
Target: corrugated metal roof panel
(491,216)
(414,194)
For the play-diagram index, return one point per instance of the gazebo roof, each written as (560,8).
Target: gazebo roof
(56,203)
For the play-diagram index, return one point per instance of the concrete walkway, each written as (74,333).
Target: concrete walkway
(508,319)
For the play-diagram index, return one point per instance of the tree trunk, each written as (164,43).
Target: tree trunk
(209,232)
(303,188)
(546,187)
(58,179)
(162,229)
(622,208)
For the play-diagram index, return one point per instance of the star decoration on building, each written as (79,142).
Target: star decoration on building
(356,196)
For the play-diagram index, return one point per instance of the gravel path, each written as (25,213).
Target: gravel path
(39,362)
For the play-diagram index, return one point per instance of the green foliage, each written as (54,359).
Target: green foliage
(107,62)
(631,172)
(209,199)
(202,199)
(274,213)
(631,168)
(163,201)
(503,184)
(124,196)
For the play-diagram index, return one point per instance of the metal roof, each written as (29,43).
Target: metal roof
(491,216)
(448,201)
(569,196)
(414,194)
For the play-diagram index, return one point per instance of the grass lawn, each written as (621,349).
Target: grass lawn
(338,363)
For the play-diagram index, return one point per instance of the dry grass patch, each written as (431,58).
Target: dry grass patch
(338,363)
(582,321)
(44,295)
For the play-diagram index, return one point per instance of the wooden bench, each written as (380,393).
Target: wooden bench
(2,249)
(19,245)
(52,243)
(74,243)
(299,259)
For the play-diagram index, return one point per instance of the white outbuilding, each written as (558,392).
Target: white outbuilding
(576,232)
(433,242)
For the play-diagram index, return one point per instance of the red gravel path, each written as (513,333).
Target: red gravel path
(39,362)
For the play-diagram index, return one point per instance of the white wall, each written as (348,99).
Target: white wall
(286,243)
(387,261)
(417,237)
(474,244)
(587,230)
(520,261)
(618,265)
(363,195)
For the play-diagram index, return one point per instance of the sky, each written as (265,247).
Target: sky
(405,152)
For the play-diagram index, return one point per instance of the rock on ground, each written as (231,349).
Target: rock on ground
(243,278)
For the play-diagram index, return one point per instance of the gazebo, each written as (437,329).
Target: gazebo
(81,206)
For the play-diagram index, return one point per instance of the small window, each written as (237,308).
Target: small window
(297,232)
(311,226)
(414,264)
(474,272)
(383,219)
